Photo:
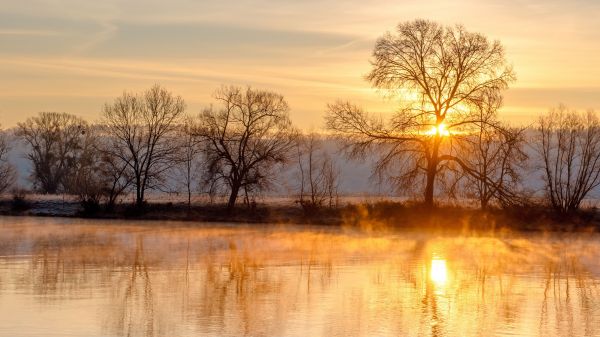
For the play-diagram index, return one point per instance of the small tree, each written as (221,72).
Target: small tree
(89,185)
(188,167)
(118,177)
(7,170)
(98,177)
(57,144)
(84,179)
(569,146)
(140,129)
(114,172)
(492,156)
(319,175)
(245,139)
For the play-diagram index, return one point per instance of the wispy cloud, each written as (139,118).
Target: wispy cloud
(106,32)
(29,32)
(313,51)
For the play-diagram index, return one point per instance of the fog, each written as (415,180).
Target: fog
(111,278)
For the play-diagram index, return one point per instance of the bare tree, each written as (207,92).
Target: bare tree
(140,129)
(89,187)
(439,73)
(7,170)
(569,145)
(84,179)
(245,140)
(319,175)
(495,154)
(188,167)
(57,142)
(117,176)
(98,176)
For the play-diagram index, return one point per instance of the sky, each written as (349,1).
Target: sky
(75,55)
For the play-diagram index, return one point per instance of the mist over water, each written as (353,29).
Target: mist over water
(67,277)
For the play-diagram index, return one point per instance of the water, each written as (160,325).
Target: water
(67,277)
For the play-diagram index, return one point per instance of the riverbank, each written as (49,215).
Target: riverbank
(368,215)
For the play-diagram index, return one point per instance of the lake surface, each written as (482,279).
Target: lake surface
(70,277)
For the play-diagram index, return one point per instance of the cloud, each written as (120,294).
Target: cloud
(108,30)
(28,32)
(314,51)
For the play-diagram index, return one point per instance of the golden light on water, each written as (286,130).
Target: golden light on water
(230,280)
(438,272)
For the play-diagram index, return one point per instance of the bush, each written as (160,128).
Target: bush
(90,205)
(19,202)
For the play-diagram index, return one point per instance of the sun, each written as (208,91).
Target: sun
(438,272)
(439,129)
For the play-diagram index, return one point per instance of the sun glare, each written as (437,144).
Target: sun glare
(438,272)
(438,129)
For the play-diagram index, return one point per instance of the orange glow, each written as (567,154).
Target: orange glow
(438,272)
(346,280)
(438,129)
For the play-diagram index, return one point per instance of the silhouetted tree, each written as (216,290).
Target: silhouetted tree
(188,167)
(245,140)
(98,176)
(7,170)
(114,172)
(319,175)
(57,144)
(569,146)
(440,73)
(140,130)
(84,179)
(495,154)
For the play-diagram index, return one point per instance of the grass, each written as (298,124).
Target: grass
(377,215)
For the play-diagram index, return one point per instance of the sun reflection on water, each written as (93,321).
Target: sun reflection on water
(291,281)
(438,272)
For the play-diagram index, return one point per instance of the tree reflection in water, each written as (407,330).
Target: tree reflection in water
(163,280)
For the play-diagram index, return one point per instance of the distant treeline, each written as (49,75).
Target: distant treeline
(444,139)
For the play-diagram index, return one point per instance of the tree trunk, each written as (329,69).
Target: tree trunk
(484,197)
(432,165)
(235,189)
(484,204)
(139,199)
(110,204)
(49,187)
(429,188)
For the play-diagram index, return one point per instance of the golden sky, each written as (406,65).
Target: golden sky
(75,55)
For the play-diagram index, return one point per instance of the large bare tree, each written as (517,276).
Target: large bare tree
(438,73)
(569,146)
(57,142)
(245,139)
(140,129)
